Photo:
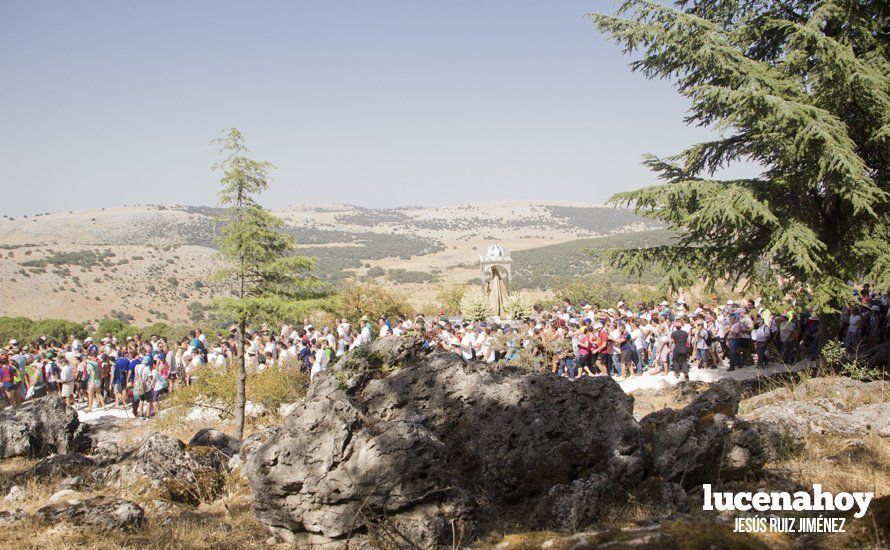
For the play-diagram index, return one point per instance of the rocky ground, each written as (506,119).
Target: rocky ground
(395,448)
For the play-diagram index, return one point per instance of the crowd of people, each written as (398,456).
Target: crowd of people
(571,340)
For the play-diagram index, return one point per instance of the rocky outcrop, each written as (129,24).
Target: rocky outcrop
(826,406)
(102,513)
(796,419)
(39,428)
(439,446)
(224,443)
(61,466)
(702,441)
(165,464)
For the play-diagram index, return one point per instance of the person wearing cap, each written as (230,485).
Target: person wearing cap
(702,339)
(94,381)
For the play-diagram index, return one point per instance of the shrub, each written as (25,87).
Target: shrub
(215,388)
(402,276)
(26,330)
(358,299)
(376,271)
(449,297)
(196,311)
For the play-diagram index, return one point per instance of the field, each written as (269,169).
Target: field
(155,263)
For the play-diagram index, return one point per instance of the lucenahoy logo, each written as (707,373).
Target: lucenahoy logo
(800,501)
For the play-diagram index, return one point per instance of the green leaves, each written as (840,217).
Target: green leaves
(267,276)
(803,89)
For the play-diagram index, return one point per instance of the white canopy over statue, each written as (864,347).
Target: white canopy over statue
(496,271)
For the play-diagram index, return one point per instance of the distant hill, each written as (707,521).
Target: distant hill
(154,262)
(549,266)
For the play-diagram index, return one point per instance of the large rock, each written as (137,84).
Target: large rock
(61,466)
(703,441)
(101,513)
(256,440)
(40,428)
(224,443)
(795,419)
(166,465)
(438,445)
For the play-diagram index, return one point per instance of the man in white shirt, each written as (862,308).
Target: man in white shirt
(365,335)
(66,378)
(467,345)
(760,335)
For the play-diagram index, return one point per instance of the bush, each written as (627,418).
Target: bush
(113,326)
(358,299)
(600,291)
(403,276)
(196,311)
(376,271)
(215,388)
(449,297)
(26,330)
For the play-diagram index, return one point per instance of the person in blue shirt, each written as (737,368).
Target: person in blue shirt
(135,360)
(119,375)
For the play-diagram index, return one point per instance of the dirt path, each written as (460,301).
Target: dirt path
(658,381)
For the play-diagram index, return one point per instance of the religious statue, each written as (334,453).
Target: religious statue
(496,270)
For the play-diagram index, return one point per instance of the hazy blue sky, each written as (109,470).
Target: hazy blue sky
(376,103)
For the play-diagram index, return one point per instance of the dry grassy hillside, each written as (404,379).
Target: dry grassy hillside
(151,261)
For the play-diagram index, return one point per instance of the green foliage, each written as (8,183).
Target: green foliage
(402,276)
(268,277)
(552,266)
(26,330)
(449,296)
(86,259)
(376,271)
(801,90)
(474,305)
(263,267)
(115,327)
(367,299)
(196,311)
(600,290)
(215,389)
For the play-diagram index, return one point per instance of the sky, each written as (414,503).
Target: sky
(374,103)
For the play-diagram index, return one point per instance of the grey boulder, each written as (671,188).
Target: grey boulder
(39,428)
(432,445)
(102,513)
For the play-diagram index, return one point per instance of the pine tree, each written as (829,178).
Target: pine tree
(269,280)
(801,88)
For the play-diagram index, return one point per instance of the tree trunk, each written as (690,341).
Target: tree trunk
(241,385)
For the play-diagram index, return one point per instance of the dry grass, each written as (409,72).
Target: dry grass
(842,463)
(648,401)
(228,522)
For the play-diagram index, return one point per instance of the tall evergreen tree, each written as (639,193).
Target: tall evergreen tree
(268,277)
(799,87)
